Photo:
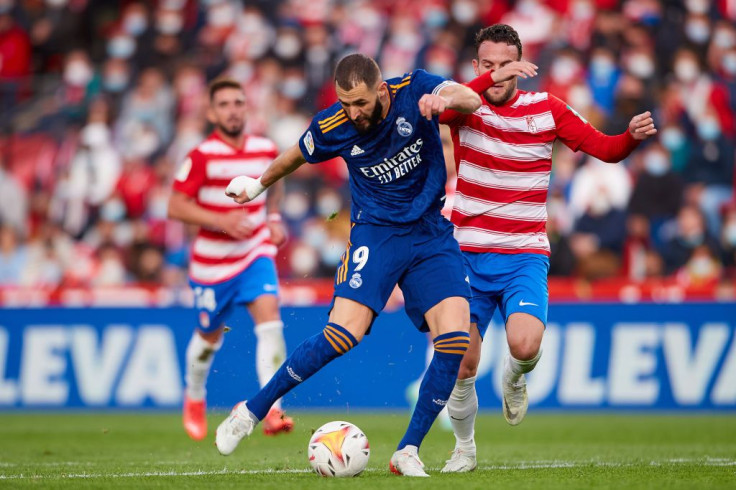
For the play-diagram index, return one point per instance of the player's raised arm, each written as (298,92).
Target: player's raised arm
(453,96)
(243,189)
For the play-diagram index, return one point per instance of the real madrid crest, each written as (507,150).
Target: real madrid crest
(356,281)
(403,127)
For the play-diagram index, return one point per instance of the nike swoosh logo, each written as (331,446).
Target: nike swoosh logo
(455,418)
(511,415)
(524,303)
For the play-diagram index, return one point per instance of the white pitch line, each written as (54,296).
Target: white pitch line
(522,465)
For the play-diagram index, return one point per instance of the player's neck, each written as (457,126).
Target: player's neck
(234,141)
(386,102)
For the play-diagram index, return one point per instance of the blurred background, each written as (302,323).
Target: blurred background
(101,100)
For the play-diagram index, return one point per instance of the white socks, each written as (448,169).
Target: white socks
(516,367)
(463,407)
(270,351)
(199,357)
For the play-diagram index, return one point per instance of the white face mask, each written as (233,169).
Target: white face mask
(287,46)
(724,38)
(697,31)
(656,163)
(686,71)
(728,63)
(121,47)
(78,73)
(170,24)
(303,260)
(697,6)
(464,12)
(564,70)
(135,24)
(729,234)
(672,138)
(220,15)
(641,66)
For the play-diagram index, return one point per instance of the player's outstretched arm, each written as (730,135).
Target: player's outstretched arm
(455,96)
(243,189)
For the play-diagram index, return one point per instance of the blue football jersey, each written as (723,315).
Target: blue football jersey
(397,170)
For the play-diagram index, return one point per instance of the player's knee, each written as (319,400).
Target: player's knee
(467,370)
(524,348)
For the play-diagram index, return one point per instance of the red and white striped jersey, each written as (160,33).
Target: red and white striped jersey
(504,158)
(204,175)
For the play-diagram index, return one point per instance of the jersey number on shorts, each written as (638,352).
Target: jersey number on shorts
(360,257)
(204,299)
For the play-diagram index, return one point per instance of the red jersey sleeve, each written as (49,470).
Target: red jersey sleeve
(191,174)
(572,128)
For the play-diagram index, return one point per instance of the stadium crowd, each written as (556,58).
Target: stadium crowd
(101,100)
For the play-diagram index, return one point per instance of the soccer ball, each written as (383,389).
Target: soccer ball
(338,449)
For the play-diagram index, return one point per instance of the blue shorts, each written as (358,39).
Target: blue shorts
(515,283)
(423,258)
(214,303)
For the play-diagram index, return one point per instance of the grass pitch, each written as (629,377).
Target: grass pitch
(546,452)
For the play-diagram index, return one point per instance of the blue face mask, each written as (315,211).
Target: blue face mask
(672,138)
(656,164)
(116,82)
(121,47)
(709,130)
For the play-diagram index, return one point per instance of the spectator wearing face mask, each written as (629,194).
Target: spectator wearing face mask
(690,233)
(658,191)
(710,169)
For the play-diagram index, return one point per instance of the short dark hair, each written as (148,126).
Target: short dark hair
(220,83)
(498,33)
(355,69)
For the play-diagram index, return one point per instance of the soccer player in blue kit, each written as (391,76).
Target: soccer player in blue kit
(387,132)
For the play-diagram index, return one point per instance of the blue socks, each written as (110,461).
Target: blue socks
(308,358)
(437,385)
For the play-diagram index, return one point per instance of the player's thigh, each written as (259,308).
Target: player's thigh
(449,315)
(354,317)
(525,286)
(484,290)
(435,286)
(375,258)
(213,303)
(524,304)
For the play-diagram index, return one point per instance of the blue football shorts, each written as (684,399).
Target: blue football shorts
(515,283)
(214,303)
(423,258)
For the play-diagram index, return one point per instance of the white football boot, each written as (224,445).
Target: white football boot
(239,424)
(515,400)
(406,462)
(461,461)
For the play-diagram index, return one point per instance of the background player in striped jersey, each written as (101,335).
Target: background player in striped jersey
(503,152)
(387,133)
(231,262)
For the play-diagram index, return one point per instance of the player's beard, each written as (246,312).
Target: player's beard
(501,99)
(373,120)
(233,129)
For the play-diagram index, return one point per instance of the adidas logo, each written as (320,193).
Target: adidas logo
(356,151)
(293,374)
(439,402)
